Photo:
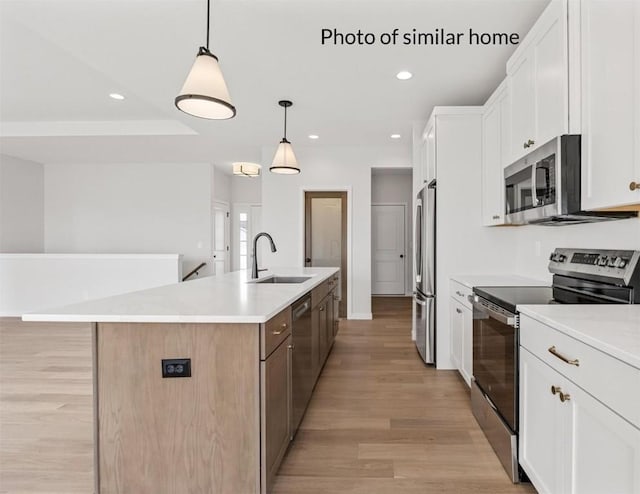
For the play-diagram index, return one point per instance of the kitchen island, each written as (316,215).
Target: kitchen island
(193,381)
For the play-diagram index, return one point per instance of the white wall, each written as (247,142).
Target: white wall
(535,243)
(246,190)
(397,188)
(328,168)
(21,205)
(129,208)
(221,186)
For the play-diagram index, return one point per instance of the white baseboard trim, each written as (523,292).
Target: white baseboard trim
(361,316)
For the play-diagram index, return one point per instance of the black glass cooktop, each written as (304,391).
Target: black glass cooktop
(508,297)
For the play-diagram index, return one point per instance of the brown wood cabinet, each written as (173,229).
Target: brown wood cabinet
(324,320)
(275,403)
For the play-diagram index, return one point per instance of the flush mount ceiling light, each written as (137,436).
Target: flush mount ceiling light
(404,75)
(204,93)
(117,96)
(313,136)
(285,161)
(245,169)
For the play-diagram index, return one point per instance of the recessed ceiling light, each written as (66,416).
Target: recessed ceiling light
(395,136)
(403,75)
(313,136)
(116,96)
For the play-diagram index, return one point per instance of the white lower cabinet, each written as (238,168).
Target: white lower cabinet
(461,325)
(569,441)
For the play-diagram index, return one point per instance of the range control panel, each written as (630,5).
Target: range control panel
(618,264)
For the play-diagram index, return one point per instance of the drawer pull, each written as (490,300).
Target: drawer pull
(554,352)
(564,397)
(283,328)
(322,309)
(555,390)
(459,294)
(458,311)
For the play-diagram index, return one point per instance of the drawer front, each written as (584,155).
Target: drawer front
(460,292)
(274,331)
(321,291)
(606,378)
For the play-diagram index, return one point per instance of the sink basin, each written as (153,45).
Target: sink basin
(284,279)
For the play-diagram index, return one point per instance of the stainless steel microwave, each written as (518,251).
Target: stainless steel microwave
(543,187)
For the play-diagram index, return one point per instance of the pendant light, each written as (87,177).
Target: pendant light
(245,169)
(204,93)
(285,161)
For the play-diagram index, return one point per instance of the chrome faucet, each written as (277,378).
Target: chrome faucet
(254,268)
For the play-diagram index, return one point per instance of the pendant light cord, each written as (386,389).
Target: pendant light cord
(208,17)
(285,123)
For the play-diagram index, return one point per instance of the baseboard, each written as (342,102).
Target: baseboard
(361,316)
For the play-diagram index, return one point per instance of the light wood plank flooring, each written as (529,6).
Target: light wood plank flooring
(380,421)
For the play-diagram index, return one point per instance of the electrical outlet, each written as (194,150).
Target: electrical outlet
(176,367)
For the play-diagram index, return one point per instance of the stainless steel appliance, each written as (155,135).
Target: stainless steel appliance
(302,372)
(424,299)
(580,277)
(544,187)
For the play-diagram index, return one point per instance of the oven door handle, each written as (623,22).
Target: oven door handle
(498,316)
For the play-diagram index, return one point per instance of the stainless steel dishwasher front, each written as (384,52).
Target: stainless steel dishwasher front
(302,370)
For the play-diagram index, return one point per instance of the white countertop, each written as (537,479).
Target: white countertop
(473,280)
(613,329)
(228,298)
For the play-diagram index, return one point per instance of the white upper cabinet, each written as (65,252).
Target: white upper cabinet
(610,56)
(429,151)
(538,77)
(495,143)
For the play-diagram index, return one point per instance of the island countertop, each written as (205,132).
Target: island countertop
(228,298)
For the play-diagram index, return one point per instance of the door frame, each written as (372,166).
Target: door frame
(346,281)
(406,248)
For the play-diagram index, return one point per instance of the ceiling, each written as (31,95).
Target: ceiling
(59,60)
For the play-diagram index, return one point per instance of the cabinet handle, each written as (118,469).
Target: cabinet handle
(322,309)
(495,217)
(554,352)
(564,397)
(459,294)
(458,311)
(634,186)
(290,347)
(555,390)
(283,328)
(528,144)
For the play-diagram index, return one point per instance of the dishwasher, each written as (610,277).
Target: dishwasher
(302,375)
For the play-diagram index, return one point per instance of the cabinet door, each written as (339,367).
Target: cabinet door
(275,375)
(551,72)
(521,89)
(605,448)
(430,152)
(457,322)
(611,103)
(467,344)
(543,453)
(329,328)
(492,164)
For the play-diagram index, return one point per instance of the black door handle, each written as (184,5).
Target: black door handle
(401,256)
(307,259)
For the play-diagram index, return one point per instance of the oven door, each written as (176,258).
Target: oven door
(495,358)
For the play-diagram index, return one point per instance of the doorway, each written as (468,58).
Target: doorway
(220,240)
(325,234)
(388,251)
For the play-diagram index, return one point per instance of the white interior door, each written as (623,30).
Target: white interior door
(388,249)
(220,245)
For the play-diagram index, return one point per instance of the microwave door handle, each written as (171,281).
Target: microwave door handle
(534,187)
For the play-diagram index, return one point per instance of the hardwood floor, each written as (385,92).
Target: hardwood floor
(380,421)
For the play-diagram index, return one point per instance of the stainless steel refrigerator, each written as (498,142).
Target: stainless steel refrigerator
(424,298)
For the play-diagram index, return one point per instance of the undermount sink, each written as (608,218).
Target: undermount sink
(284,279)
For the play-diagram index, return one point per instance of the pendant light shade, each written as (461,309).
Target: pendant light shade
(245,169)
(204,93)
(285,162)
